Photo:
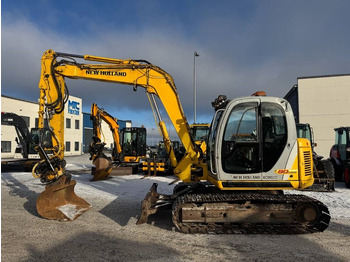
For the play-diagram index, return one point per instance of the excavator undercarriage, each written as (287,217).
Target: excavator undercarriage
(201,208)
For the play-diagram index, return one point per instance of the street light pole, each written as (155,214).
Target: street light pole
(194,85)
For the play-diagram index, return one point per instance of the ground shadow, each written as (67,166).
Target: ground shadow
(18,189)
(98,247)
(261,248)
(122,210)
(339,228)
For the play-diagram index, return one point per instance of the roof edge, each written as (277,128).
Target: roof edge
(322,76)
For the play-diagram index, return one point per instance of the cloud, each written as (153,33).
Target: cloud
(243,48)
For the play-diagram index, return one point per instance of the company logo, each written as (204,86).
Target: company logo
(284,171)
(73,107)
(105,73)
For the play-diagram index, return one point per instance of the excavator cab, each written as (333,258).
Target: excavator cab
(306,131)
(42,136)
(250,141)
(133,143)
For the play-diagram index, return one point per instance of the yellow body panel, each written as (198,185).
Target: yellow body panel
(300,175)
(132,159)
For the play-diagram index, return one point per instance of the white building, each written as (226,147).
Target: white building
(73,130)
(323,102)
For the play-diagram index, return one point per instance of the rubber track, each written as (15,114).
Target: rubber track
(248,228)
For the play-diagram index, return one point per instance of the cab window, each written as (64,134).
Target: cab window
(240,147)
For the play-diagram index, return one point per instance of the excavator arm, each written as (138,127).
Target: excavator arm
(98,115)
(135,73)
(103,164)
(55,67)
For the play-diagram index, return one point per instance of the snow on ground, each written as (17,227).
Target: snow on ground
(108,231)
(135,187)
(338,202)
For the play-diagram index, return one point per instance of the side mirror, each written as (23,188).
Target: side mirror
(314,144)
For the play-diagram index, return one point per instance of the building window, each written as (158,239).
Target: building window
(67,122)
(5,146)
(76,146)
(37,123)
(27,120)
(67,146)
(76,124)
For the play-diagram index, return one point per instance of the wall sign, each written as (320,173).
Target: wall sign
(73,107)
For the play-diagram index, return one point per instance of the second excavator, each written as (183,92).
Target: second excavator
(126,152)
(253,153)
(103,164)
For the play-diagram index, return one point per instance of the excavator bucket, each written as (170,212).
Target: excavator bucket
(59,202)
(102,168)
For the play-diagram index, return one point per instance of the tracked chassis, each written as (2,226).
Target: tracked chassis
(196,211)
(249,213)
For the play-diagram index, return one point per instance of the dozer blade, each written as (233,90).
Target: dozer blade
(146,205)
(152,202)
(103,167)
(59,202)
(121,171)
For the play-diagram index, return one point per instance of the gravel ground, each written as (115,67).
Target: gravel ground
(108,231)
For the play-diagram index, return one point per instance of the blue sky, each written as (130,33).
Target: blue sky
(244,46)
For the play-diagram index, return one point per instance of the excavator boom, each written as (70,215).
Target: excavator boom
(129,72)
(54,95)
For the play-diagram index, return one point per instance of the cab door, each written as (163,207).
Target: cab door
(251,138)
(240,152)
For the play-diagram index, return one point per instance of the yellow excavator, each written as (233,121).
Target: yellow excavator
(158,162)
(126,153)
(134,147)
(200,133)
(253,154)
(103,164)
